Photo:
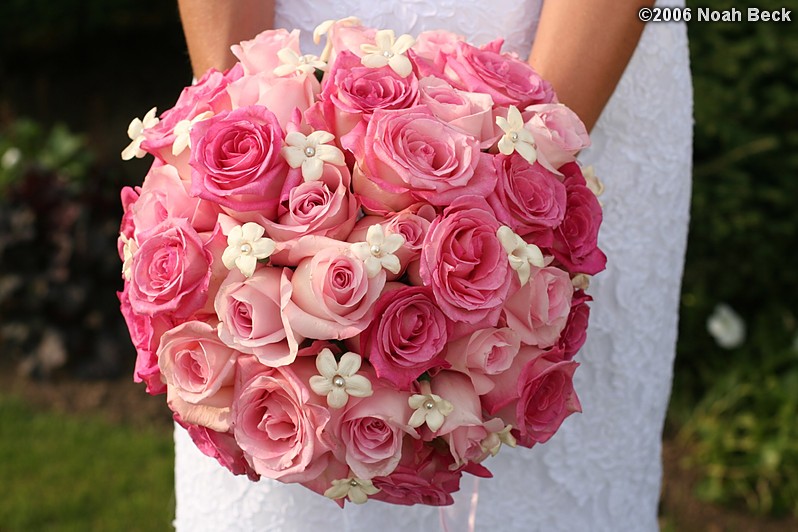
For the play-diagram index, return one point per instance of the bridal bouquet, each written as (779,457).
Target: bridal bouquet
(362,272)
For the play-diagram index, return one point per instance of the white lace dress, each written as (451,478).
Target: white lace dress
(602,471)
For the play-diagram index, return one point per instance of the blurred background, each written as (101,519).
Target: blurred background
(83,448)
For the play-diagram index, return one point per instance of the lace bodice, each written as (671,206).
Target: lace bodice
(602,470)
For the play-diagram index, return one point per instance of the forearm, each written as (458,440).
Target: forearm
(212,26)
(582,48)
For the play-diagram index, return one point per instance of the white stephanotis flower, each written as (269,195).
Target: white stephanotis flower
(515,137)
(339,380)
(356,489)
(377,252)
(293,63)
(311,153)
(522,256)
(429,408)
(136,133)
(726,327)
(388,50)
(245,245)
(182,132)
(129,248)
(493,442)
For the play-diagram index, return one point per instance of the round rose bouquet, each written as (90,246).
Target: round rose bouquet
(362,272)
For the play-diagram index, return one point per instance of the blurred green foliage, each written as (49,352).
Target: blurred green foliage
(742,251)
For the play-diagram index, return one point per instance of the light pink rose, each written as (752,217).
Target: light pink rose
(528,198)
(407,337)
(220,446)
(281,96)
(469,112)
(236,159)
(171,271)
(463,429)
(323,207)
(465,264)
(576,239)
(372,431)
(538,311)
(251,318)
(259,55)
(127,228)
(345,36)
(164,195)
(485,352)
(198,369)
(331,296)
(559,133)
(276,421)
(411,156)
(430,43)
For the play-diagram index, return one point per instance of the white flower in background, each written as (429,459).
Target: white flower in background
(581,281)
(324,28)
(245,245)
(522,256)
(388,50)
(129,248)
(493,442)
(378,250)
(515,137)
(339,380)
(10,158)
(593,182)
(182,132)
(293,63)
(136,133)
(429,408)
(726,327)
(356,489)
(311,153)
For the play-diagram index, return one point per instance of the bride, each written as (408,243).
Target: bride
(602,470)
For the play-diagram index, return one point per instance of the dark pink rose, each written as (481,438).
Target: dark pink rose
(171,271)
(275,422)
(528,198)
(410,156)
(220,446)
(198,369)
(576,239)
(407,337)
(236,159)
(575,333)
(465,264)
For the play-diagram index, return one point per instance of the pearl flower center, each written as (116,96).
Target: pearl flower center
(310,151)
(429,404)
(514,137)
(246,248)
(387,53)
(338,381)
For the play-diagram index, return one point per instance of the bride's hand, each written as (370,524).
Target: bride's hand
(582,48)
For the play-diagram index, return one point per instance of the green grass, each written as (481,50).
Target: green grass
(81,473)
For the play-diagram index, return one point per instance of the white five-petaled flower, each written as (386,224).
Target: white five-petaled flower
(515,137)
(429,408)
(355,488)
(136,133)
(522,256)
(726,327)
(493,442)
(292,62)
(311,153)
(324,27)
(245,245)
(388,50)
(128,250)
(581,281)
(378,250)
(339,380)
(182,132)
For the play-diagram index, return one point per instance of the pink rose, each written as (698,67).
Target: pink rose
(129,196)
(198,369)
(469,112)
(538,311)
(575,333)
(528,198)
(410,156)
(508,80)
(164,195)
(372,431)
(171,271)
(485,352)
(220,446)
(281,96)
(251,318)
(407,337)
(236,159)
(353,92)
(576,239)
(559,134)
(323,207)
(331,296)
(463,429)
(430,43)
(346,36)
(260,54)
(465,264)
(275,423)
